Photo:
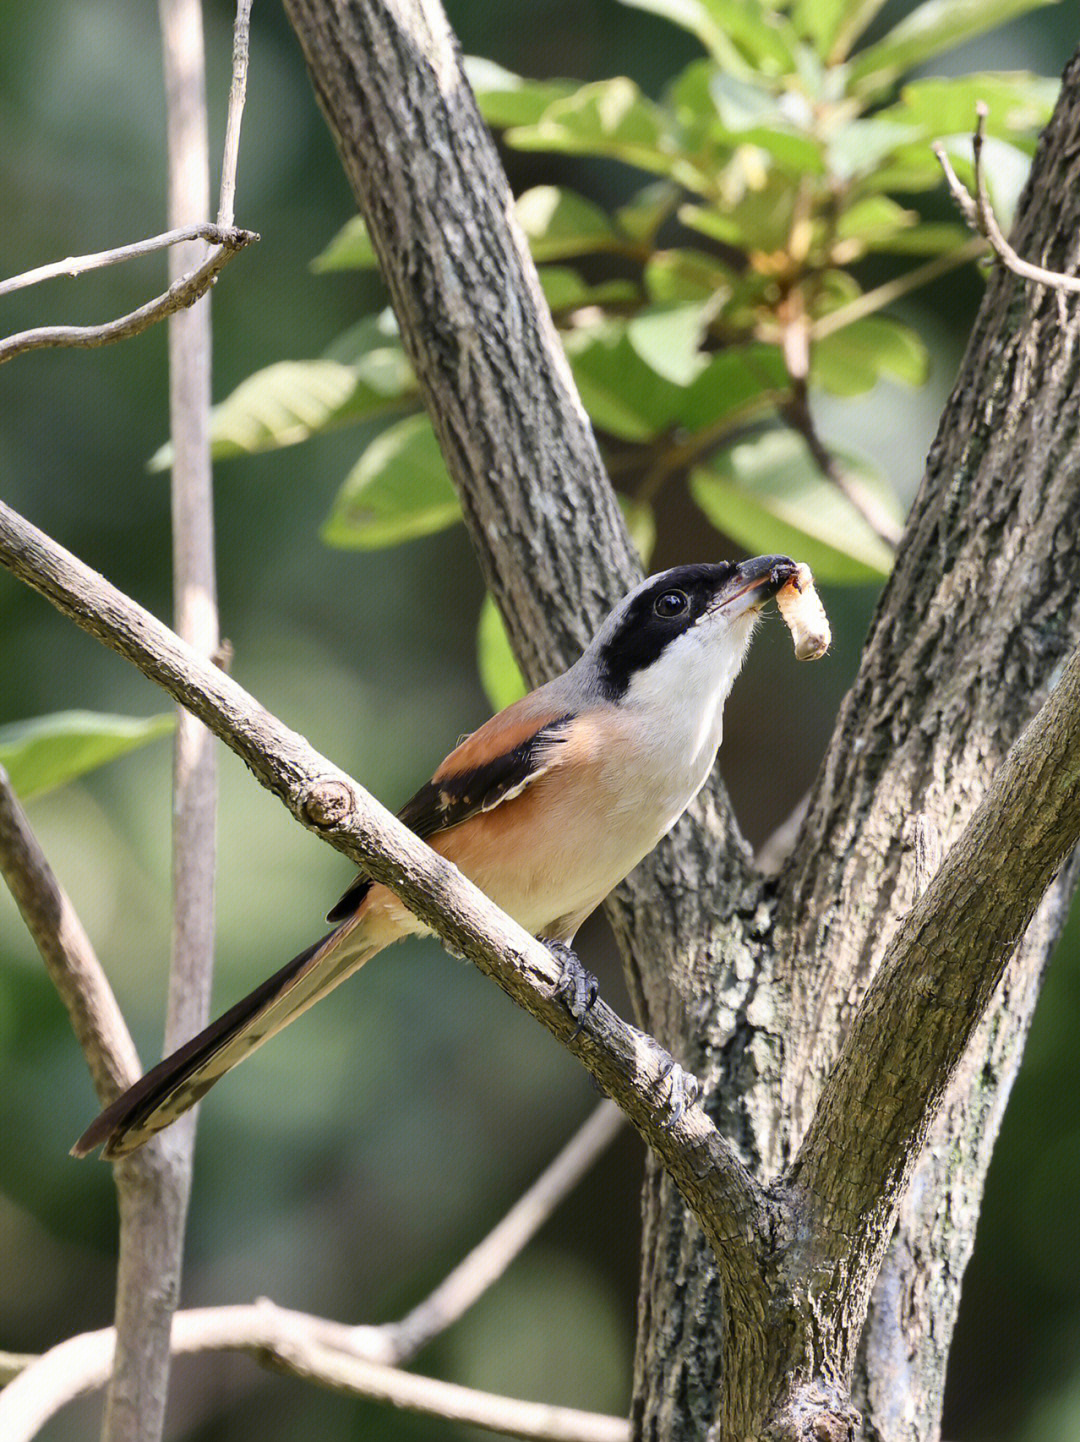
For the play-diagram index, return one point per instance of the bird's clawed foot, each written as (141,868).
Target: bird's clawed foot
(576,987)
(684,1089)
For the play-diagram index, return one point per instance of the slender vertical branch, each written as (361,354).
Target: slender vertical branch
(152,1218)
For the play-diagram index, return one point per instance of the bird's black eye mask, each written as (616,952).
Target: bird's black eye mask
(664,610)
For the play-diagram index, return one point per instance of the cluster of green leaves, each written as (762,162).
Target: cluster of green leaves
(702,316)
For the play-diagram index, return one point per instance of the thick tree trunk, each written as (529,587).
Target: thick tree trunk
(753,982)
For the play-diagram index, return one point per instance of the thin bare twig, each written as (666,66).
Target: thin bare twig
(796,412)
(290,1342)
(182,293)
(400,1341)
(76,265)
(979,214)
(237,95)
(893,290)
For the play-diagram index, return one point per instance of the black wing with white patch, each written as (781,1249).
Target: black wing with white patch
(450,798)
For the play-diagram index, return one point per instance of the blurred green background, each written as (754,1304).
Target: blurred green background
(349,1165)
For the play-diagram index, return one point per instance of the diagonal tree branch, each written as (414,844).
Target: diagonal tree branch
(630,1066)
(933,987)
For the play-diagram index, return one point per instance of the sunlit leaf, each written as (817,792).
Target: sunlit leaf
(350,249)
(735,31)
(736,385)
(1017,102)
(622,393)
(859,147)
(650,207)
(932,238)
(48,751)
(499,673)
(399,489)
(875,218)
(878,223)
(561,224)
(612,118)
(850,361)
(363,375)
(668,338)
(508,99)
(761,219)
(729,111)
(685,275)
(769,495)
(935,26)
(819,20)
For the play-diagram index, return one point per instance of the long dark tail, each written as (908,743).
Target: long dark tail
(177,1083)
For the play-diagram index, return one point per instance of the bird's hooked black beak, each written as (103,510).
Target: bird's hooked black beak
(754,582)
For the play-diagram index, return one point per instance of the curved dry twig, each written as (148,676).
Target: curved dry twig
(75,265)
(979,214)
(183,292)
(291,1342)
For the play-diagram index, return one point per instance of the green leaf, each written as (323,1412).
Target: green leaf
(561,224)
(399,489)
(932,238)
(760,220)
(685,275)
(878,223)
(612,118)
(936,25)
(819,20)
(363,375)
(564,289)
(851,361)
(350,249)
(622,393)
(734,31)
(646,213)
(769,495)
(1018,103)
(499,673)
(860,146)
(738,383)
(507,99)
(48,751)
(668,339)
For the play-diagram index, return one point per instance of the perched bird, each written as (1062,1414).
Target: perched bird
(546,808)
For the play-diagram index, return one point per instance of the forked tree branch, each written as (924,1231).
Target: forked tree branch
(183,292)
(932,989)
(630,1066)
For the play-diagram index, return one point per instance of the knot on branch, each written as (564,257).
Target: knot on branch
(327,803)
(816,1412)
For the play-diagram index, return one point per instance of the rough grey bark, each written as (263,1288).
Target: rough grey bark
(752,982)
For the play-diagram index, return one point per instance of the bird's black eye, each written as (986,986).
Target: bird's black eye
(670,604)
